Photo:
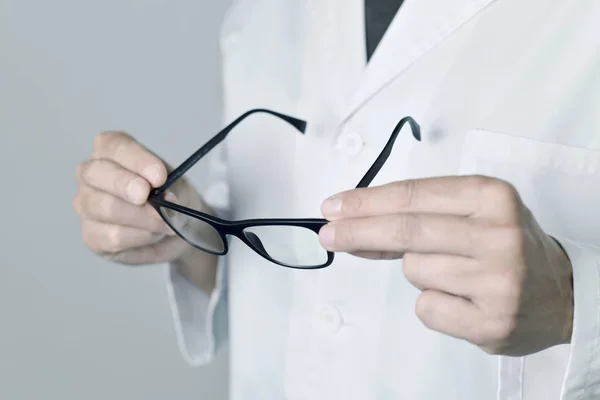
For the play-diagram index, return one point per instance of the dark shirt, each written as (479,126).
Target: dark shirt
(378,16)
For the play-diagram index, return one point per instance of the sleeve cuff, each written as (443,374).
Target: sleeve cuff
(200,320)
(582,380)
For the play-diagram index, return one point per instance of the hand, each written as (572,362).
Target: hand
(487,272)
(116,221)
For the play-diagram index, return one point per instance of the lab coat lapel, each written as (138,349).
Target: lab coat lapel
(418,27)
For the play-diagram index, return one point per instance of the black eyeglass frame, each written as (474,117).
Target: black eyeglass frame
(236,228)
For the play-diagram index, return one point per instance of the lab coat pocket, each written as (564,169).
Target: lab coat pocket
(559,183)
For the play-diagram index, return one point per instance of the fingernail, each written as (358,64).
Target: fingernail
(327,235)
(137,190)
(154,174)
(331,206)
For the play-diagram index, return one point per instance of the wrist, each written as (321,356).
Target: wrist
(566,293)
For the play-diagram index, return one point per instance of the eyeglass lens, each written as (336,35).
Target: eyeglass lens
(293,246)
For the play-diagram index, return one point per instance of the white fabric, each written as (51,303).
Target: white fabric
(508,88)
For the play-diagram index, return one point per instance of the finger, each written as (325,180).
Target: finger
(454,275)
(378,255)
(102,207)
(450,315)
(110,177)
(421,233)
(467,196)
(108,238)
(164,251)
(127,152)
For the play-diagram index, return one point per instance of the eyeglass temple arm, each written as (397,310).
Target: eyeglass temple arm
(387,150)
(299,124)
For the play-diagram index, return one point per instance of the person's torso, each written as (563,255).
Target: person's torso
(508,88)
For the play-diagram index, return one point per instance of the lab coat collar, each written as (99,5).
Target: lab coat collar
(416,29)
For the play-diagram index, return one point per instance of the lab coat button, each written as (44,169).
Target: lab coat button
(350,143)
(231,39)
(332,319)
(317,129)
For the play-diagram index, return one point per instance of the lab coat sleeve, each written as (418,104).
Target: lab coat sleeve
(582,380)
(201,320)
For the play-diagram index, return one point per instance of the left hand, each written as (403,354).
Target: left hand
(487,271)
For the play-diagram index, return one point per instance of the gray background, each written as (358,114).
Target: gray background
(72,325)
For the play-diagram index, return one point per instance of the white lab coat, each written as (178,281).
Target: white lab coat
(508,88)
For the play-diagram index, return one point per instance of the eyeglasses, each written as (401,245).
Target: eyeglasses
(292,243)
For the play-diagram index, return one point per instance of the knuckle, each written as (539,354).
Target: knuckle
(497,190)
(477,335)
(480,181)
(353,204)
(79,171)
(492,350)
(77,204)
(492,334)
(499,331)
(86,204)
(476,235)
(504,240)
(509,238)
(90,239)
(103,206)
(485,184)
(110,141)
(406,229)
(410,265)
(345,234)
(85,170)
(505,329)
(114,239)
(496,330)
(125,258)
(120,148)
(103,139)
(85,236)
(403,193)
(424,309)
(121,181)
(508,290)
(511,280)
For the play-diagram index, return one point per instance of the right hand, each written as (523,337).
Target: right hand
(116,220)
